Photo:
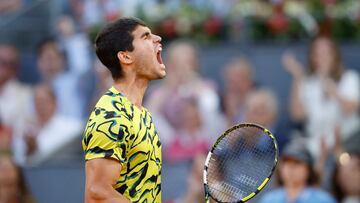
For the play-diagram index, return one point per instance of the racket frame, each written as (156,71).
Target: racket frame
(262,185)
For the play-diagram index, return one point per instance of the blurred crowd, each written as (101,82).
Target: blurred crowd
(42,123)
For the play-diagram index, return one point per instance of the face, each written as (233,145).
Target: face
(182,59)
(258,110)
(50,61)
(294,172)
(147,54)
(45,103)
(8,63)
(238,78)
(190,115)
(323,56)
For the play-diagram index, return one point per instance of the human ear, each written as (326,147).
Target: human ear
(124,57)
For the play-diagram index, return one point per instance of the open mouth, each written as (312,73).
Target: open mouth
(158,56)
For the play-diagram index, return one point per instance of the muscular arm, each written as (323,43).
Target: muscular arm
(101,175)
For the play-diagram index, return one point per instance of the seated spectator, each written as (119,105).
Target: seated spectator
(195,186)
(10,6)
(190,140)
(49,132)
(52,67)
(327,96)
(238,78)
(261,107)
(15,99)
(13,188)
(183,80)
(296,178)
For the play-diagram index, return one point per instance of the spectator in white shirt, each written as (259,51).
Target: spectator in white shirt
(15,99)
(327,96)
(67,85)
(50,131)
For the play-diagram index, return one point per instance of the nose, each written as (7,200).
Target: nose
(156,38)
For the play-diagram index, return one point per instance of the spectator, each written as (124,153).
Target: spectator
(13,188)
(75,45)
(261,107)
(50,131)
(190,140)
(76,48)
(195,187)
(328,96)
(297,178)
(238,84)
(183,80)
(51,65)
(10,6)
(97,12)
(15,99)
(347,174)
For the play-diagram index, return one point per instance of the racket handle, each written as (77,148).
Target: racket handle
(207,198)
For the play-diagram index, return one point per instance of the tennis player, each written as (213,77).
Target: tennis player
(122,148)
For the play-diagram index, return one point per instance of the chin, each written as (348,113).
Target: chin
(161,75)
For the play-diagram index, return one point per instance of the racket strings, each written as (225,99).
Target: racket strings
(240,163)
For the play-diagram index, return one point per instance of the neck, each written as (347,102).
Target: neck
(133,88)
(293,191)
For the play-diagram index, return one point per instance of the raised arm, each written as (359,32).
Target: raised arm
(295,69)
(101,175)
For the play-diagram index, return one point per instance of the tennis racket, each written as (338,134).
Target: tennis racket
(240,163)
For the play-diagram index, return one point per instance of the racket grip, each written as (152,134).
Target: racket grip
(207,198)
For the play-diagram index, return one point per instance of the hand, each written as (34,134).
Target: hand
(5,138)
(31,144)
(30,138)
(292,65)
(320,163)
(330,88)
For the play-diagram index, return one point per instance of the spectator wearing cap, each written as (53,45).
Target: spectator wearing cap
(297,178)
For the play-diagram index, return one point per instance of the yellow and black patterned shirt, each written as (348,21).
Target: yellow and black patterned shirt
(118,129)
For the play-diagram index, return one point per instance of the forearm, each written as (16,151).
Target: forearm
(103,194)
(348,107)
(296,108)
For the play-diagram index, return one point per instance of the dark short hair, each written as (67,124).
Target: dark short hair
(313,178)
(46,43)
(114,37)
